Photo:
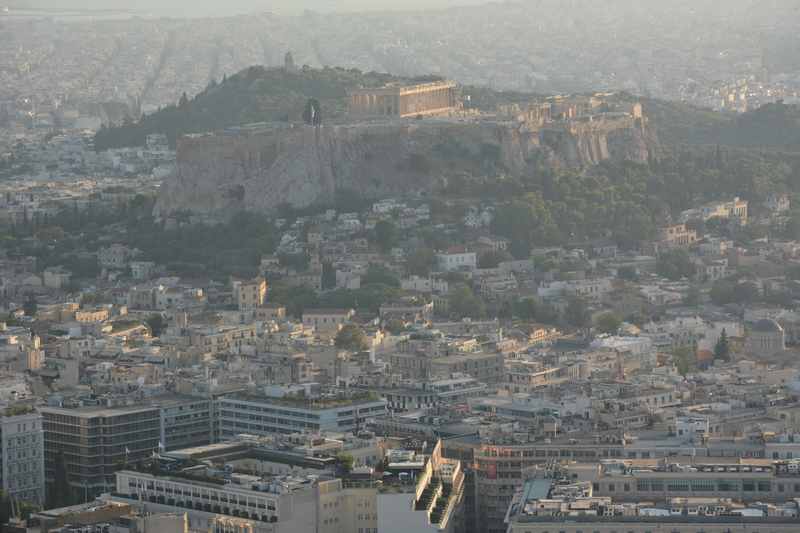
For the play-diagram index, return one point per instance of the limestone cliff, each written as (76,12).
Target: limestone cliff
(262,168)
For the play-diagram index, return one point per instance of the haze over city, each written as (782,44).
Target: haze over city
(443,266)
(209,8)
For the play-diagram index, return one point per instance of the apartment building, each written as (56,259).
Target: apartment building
(92,443)
(422,395)
(488,367)
(250,294)
(327,320)
(456,258)
(22,456)
(677,235)
(222,339)
(593,289)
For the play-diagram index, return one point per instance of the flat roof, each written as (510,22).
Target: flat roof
(175,399)
(536,489)
(93,410)
(208,450)
(81,508)
(305,403)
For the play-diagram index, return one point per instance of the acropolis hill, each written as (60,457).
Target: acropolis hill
(396,139)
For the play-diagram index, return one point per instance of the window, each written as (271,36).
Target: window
(678,485)
(703,485)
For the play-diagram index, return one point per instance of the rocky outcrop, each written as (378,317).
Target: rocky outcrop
(587,142)
(262,168)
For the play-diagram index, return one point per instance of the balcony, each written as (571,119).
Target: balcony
(427,499)
(441,504)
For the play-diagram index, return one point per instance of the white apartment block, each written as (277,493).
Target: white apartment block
(22,442)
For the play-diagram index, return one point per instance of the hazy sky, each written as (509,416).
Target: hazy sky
(232,7)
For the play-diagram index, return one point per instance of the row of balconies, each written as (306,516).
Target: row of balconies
(204,507)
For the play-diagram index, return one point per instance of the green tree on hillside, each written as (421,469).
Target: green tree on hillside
(156,324)
(351,338)
(682,359)
(675,265)
(386,235)
(722,350)
(576,314)
(607,323)
(463,303)
(421,262)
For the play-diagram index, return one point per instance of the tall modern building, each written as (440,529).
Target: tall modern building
(22,442)
(88,445)
(185,421)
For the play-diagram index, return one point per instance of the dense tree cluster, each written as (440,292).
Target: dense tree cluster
(628,201)
(351,338)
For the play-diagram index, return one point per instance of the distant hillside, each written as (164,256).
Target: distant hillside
(256,94)
(773,126)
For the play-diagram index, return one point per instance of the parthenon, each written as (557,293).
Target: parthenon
(405,100)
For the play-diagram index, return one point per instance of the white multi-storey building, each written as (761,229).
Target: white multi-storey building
(22,442)
(262,415)
(456,259)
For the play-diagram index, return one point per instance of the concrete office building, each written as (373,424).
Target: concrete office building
(544,506)
(92,443)
(746,481)
(264,415)
(185,421)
